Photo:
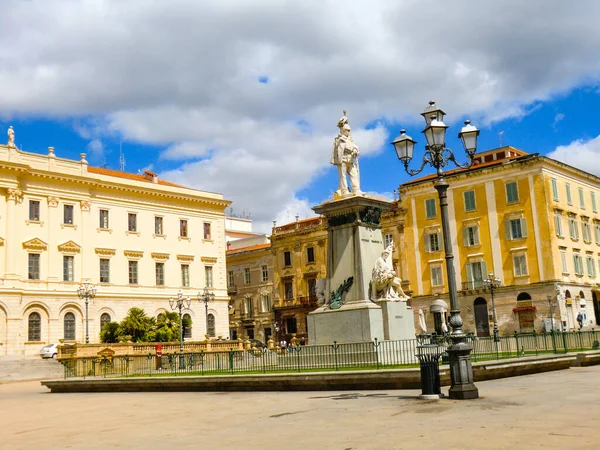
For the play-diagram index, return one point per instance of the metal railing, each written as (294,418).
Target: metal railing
(367,355)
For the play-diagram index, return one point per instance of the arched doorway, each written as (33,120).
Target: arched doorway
(482,322)
(596,307)
(526,313)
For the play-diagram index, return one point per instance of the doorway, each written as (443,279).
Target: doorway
(482,322)
(596,307)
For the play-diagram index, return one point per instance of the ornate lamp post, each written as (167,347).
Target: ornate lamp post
(491,284)
(206,297)
(179,303)
(438,156)
(86,292)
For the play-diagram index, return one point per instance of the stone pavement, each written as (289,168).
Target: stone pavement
(554,410)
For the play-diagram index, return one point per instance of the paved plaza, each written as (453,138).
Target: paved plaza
(556,410)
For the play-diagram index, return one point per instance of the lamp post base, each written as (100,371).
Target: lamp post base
(461,372)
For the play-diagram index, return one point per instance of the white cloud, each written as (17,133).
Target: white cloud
(557,118)
(581,153)
(185,76)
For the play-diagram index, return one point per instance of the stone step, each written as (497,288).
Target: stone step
(29,369)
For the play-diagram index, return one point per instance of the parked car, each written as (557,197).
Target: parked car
(258,344)
(49,351)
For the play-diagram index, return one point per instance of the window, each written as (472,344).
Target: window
(210,321)
(103,219)
(563,261)
(469,201)
(573,229)
(248,306)
(133,272)
(568,189)
(69,326)
(554,189)
(558,225)
(512,193)
(34,328)
(591,267)
(247,275)
(104,319)
(185,275)
(287,259)
(587,232)
(265,273)
(516,228)
(288,288)
(68,214)
(430,211)
(388,239)
(183,228)
(578,264)
(312,287)
(433,242)
(34,210)
(34,266)
(520,263)
(594,208)
(436,276)
(68,268)
(104,270)
(207,231)
(291,325)
(310,254)
(158,225)
(160,274)
(581,199)
(597,233)
(266,303)
(132,222)
(208,275)
(471,235)
(230,279)
(187,326)
(476,272)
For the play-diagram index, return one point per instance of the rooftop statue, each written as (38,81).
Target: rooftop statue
(345,157)
(11,137)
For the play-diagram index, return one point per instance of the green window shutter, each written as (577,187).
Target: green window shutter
(484,271)
(469,274)
(594,209)
(523,227)
(427,243)
(476,235)
(554,189)
(568,189)
(466,236)
(507,229)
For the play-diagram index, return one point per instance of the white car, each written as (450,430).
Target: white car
(49,351)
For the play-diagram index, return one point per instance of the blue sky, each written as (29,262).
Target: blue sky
(243,97)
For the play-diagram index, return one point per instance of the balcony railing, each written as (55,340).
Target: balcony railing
(471,285)
(310,300)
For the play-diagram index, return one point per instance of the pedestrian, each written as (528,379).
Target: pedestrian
(283,346)
(580,320)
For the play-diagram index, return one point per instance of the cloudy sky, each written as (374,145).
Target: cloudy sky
(242,97)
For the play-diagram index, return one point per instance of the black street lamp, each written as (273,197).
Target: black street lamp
(491,284)
(179,303)
(86,292)
(206,297)
(438,156)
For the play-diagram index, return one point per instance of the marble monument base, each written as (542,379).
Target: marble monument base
(353,322)
(398,320)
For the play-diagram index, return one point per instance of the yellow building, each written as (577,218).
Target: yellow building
(530,220)
(300,258)
(250,289)
(137,238)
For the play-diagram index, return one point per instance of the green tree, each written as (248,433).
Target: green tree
(110,333)
(166,328)
(137,325)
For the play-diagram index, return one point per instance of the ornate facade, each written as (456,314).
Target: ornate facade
(138,239)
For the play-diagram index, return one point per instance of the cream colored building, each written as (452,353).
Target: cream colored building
(138,239)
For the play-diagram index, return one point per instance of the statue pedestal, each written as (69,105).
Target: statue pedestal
(398,320)
(354,244)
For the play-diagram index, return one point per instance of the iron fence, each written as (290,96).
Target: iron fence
(365,355)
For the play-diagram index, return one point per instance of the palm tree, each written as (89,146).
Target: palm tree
(167,327)
(109,333)
(136,324)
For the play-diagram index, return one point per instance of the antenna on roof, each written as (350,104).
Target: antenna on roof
(121,157)
(500,133)
(105,164)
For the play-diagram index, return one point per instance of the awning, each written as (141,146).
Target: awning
(524,308)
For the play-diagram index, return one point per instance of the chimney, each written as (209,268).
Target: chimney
(150,176)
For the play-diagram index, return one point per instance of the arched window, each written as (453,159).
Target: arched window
(523,296)
(211,325)
(187,329)
(104,318)
(567,294)
(69,325)
(581,294)
(34,330)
